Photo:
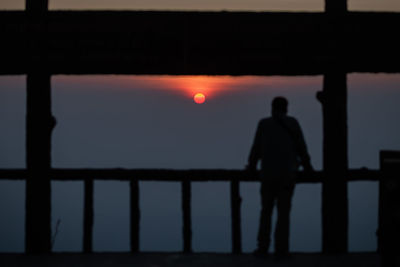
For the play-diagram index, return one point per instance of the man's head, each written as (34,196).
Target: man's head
(279,105)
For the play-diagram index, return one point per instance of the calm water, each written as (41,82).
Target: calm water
(152,122)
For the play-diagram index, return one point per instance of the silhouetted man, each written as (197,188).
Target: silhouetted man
(280,145)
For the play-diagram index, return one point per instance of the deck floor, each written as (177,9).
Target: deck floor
(185,260)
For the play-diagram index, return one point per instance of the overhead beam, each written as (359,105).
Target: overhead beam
(195,43)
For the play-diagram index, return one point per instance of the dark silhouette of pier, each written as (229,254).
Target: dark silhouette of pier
(41,43)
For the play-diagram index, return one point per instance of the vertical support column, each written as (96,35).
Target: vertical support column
(187,216)
(36,7)
(88,215)
(335,6)
(235,213)
(335,163)
(39,125)
(135,215)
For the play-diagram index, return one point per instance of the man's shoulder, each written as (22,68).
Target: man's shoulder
(265,121)
(291,119)
(271,122)
(271,119)
(292,123)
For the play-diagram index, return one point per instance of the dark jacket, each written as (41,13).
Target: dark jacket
(279,144)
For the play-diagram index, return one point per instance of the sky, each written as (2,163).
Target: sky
(250,5)
(153,122)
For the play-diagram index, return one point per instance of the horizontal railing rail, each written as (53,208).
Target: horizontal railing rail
(185,177)
(194,175)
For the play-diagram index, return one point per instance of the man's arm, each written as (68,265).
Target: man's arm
(255,152)
(302,149)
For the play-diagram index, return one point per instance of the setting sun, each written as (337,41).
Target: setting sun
(199,98)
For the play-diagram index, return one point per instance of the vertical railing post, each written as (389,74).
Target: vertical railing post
(88,215)
(134,216)
(335,163)
(236,220)
(187,216)
(389,199)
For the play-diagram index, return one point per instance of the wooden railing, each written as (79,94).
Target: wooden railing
(163,175)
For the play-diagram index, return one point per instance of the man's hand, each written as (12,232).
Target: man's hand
(251,170)
(308,168)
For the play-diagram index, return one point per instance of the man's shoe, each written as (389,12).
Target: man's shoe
(280,256)
(260,253)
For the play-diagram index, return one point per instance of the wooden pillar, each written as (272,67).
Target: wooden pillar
(36,7)
(335,163)
(135,215)
(88,215)
(235,213)
(39,125)
(187,216)
(335,6)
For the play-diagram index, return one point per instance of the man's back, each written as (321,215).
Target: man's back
(279,143)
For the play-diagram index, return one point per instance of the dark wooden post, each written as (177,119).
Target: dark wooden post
(236,220)
(36,7)
(88,215)
(39,125)
(187,216)
(335,163)
(135,215)
(389,209)
(335,6)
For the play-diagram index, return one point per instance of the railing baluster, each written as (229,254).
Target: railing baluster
(88,216)
(135,215)
(187,218)
(235,213)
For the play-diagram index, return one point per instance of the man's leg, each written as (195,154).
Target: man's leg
(267,205)
(283,224)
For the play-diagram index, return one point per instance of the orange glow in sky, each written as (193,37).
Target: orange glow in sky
(199,98)
(189,86)
(211,87)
